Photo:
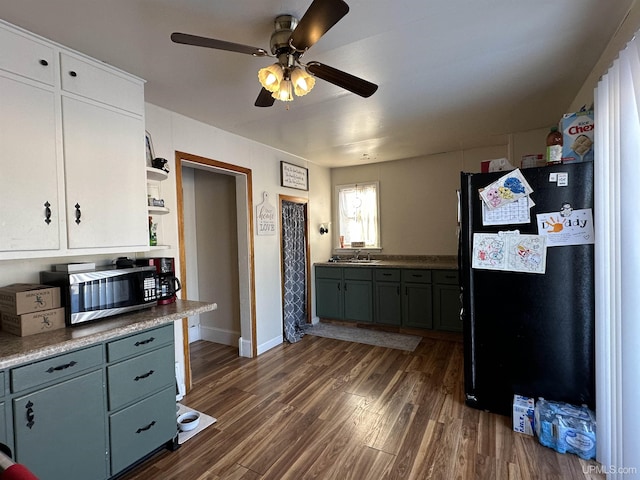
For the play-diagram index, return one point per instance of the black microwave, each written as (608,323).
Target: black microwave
(103,292)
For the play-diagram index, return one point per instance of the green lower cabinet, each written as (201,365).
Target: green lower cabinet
(417,306)
(3,425)
(60,431)
(446,307)
(388,309)
(329,298)
(141,428)
(358,301)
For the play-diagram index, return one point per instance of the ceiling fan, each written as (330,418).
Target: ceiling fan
(289,42)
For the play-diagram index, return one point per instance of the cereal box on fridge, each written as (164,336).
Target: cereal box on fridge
(577,137)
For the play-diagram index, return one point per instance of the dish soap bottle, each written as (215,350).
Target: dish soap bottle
(554,146)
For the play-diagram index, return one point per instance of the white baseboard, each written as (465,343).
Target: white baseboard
(274,342)
(217,335)
(244,348)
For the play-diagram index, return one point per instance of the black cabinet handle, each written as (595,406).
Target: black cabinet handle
(398,290)
(43,62)
(144,342)
(30,415)
(61,367)
(345,287)
(143,376)
(47,213)
(386,274)
(73,74)
(339,287)
(417,275)
(78,213)
(144,429)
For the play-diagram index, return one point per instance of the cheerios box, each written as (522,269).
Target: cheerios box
(577,137)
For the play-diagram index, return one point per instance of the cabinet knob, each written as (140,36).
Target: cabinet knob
(78,213)
(47,213)
(43,62)
(72,73)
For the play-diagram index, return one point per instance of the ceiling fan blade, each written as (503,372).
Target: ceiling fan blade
(187,39)
(264,99)
(342,79)
(317,20)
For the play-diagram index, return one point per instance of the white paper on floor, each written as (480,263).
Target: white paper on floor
(205,421)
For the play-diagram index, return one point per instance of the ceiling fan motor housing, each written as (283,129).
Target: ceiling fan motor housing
(284,26)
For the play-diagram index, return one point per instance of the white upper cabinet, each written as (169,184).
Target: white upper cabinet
(71,133)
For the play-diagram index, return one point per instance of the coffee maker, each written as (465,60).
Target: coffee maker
(168,284)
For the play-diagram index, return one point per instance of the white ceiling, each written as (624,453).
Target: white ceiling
(451,73)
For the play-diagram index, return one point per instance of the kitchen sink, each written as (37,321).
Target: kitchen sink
(357,260)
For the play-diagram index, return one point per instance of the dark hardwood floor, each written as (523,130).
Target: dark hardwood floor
(327,409)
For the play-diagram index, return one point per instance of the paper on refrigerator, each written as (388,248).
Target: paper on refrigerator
(509,251)
(506,189)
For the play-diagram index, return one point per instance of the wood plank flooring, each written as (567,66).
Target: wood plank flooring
(328,409)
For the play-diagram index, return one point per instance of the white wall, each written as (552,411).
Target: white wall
(173,132)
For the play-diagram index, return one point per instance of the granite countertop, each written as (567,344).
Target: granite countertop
(16,350)
(426,262)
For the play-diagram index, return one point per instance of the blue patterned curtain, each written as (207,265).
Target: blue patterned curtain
(295,270)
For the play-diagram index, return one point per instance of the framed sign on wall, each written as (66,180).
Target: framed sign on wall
(293,176)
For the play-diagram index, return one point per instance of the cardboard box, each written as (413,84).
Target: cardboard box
(19,298)
(523,414)
(31,323)
(577,137)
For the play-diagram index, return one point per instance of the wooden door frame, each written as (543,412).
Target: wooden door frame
(179,158)
(305,201)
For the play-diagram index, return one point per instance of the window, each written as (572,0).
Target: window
(358,219)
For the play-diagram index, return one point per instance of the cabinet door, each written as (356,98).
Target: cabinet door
(417,305)
(329,298)
(28,182)
(446,307)
(358,301)
(60,431)
(388,304)
(3,425)
(105,177)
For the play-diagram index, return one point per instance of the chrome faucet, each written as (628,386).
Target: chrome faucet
(356,255)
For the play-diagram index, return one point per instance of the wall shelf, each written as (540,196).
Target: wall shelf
(156,174)
(158,210)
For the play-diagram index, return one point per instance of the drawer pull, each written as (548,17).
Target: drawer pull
(78,213)
(43,62)
(144,375)
(449,276)
(61,367)
(417,275)
(386,274)
(47,213)
(144,429)
(144,342)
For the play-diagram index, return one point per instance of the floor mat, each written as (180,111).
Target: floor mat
(399,341)
(205,421)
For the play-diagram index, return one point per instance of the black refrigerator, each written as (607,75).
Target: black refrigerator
(529,334)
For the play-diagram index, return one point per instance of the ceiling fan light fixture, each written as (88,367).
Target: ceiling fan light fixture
(303,83)
(284,93)
(271,77)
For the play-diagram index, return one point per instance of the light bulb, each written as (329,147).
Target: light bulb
(302,82)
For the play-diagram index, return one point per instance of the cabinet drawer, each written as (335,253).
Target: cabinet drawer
(357,273)
(416,275)
(387,275)
(91,81)
(329,272)
(26,57)
(448,277)
(141,428)
(138,377)
(139,343)
(55,368)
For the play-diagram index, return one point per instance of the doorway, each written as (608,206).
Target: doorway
(295,264)
(241,181)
